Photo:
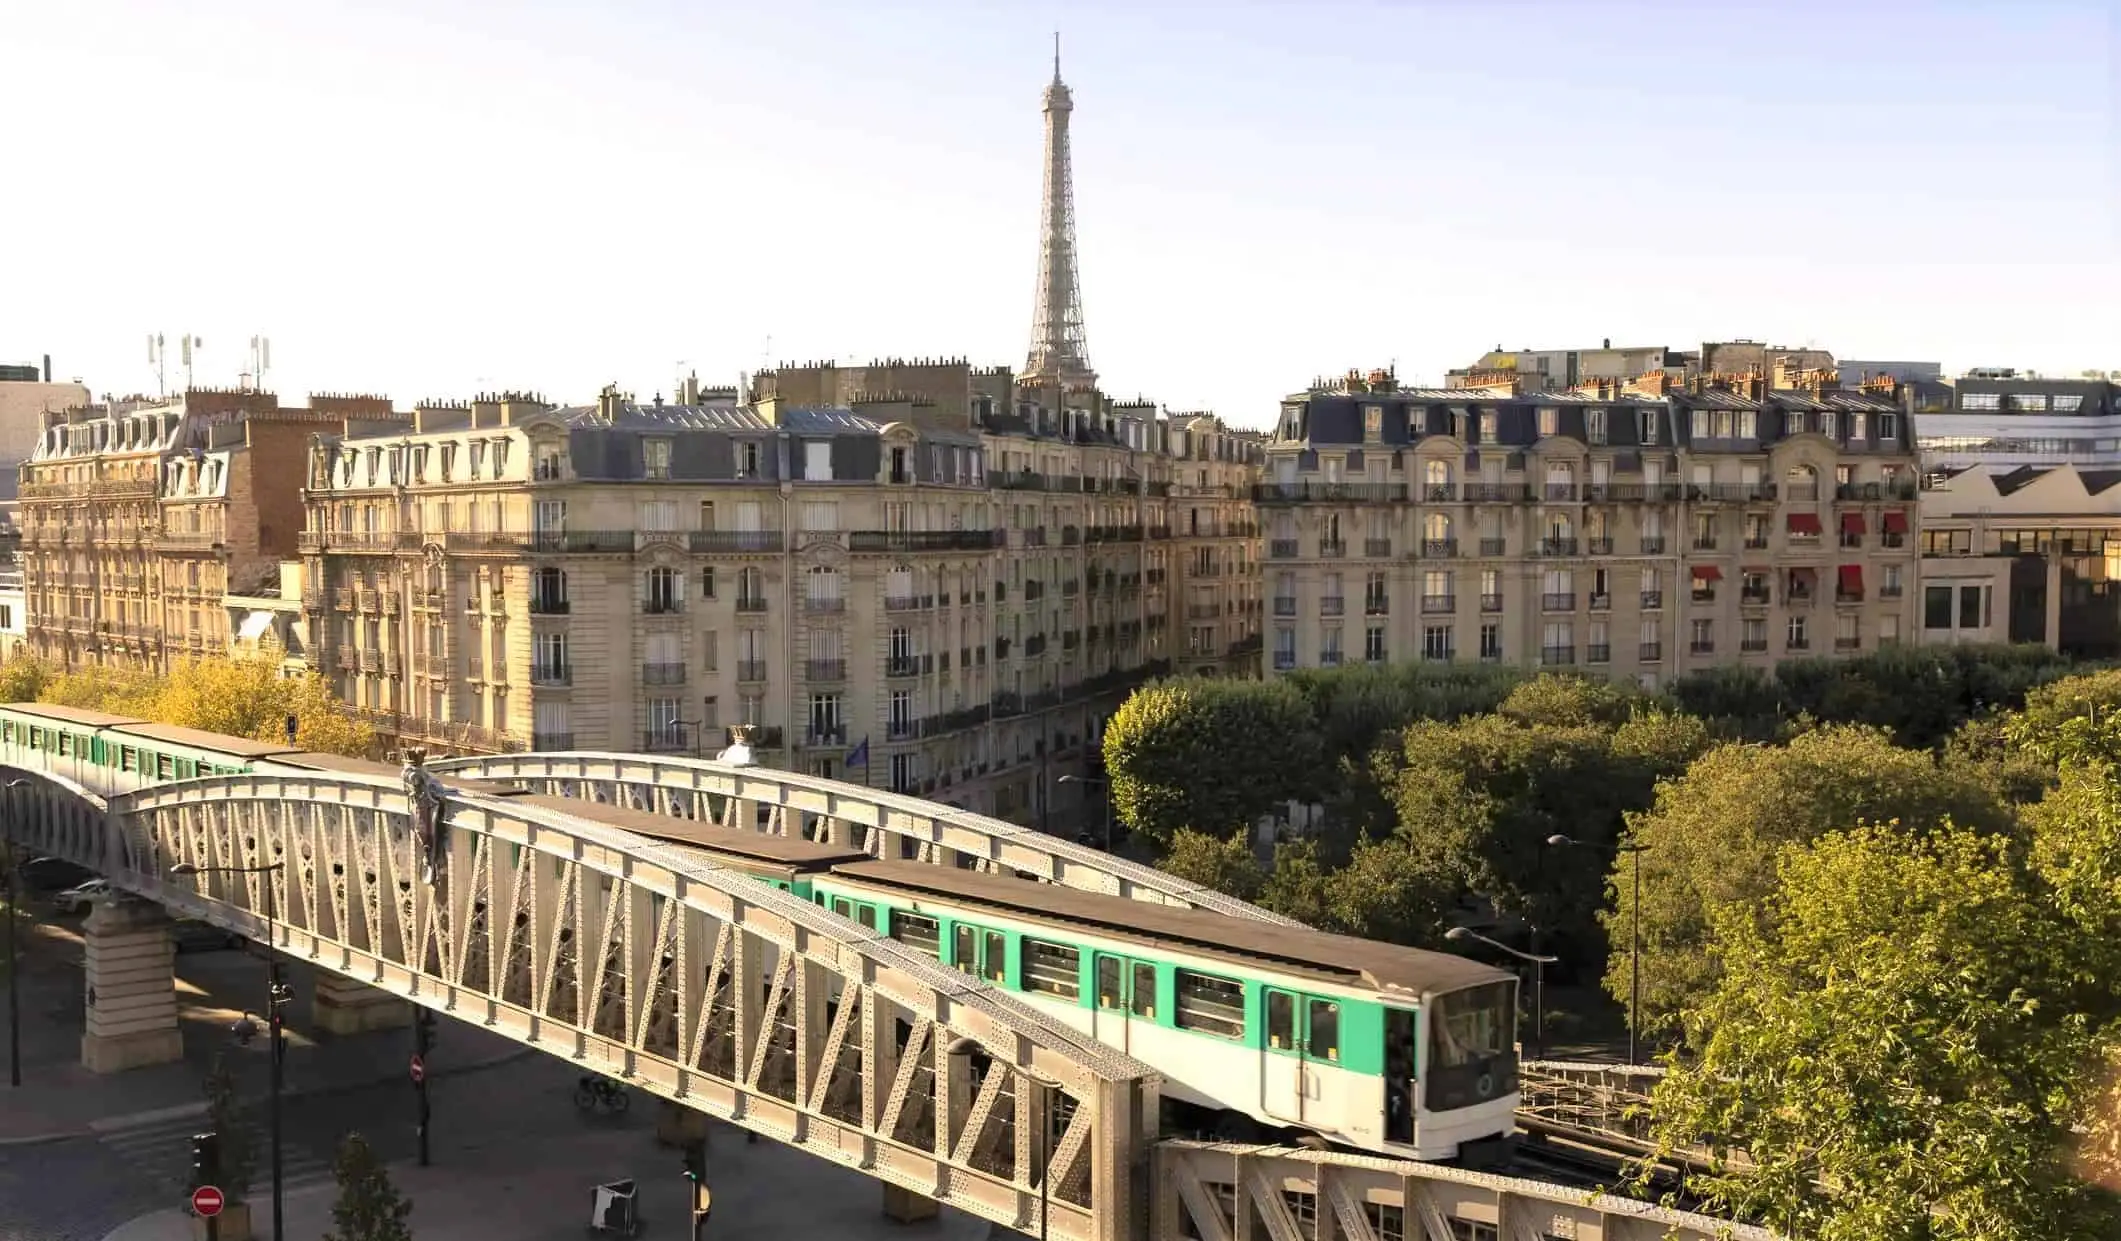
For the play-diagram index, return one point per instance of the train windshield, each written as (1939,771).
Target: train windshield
(1472,1026)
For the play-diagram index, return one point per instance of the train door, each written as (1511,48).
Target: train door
(1400,1050)
(1109,1018)
(1281,1063)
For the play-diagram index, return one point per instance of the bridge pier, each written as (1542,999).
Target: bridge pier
(339,1005)
(131,989)
(908,1206)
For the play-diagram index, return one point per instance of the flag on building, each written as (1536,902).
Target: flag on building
(859,755)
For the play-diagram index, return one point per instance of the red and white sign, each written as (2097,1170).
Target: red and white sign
(418,1070)
(207,1201)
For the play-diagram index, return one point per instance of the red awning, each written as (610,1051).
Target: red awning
(1852,579)
(1707,573)
(1896,521)
(1852,523)
(1804,523)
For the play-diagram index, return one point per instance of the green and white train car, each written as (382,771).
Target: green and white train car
(1257,1028)
(108,754)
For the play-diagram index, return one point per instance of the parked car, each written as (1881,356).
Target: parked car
(192,935)
(51,874)
(77,899)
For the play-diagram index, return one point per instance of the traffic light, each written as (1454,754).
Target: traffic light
(205,1159)
(696,1162)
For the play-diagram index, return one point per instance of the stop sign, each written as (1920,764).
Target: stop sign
(418,1070)
(207,1201)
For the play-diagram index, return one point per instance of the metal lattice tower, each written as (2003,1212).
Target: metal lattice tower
(1059,353)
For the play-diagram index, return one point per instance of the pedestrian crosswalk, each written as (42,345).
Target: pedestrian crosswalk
(159,1146)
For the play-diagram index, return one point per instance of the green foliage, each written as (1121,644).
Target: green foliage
(1223,863)
(2074,720)
(1209,755)
(1713,836)
(24,679)
(1891,1053)
(369,1207)
(249,698)
(224,1115)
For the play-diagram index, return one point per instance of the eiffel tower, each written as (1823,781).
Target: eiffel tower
(1059,355)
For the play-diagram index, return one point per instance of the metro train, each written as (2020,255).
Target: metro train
(1261,1032)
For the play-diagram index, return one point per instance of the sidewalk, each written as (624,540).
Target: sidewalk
(60,1099)
(504,1189)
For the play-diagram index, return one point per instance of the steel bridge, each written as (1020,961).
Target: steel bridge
(648,962)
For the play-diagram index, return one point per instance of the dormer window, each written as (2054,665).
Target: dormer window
(655,458)
(419,464)
(1549,421)
(478,456)
(449,461)
(748,461)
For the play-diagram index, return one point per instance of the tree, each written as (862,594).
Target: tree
(224,1115)
(1890,1054)
(22,680)
(1223,864)
(247,697)
(369,1208)
(1714,833)
(1209,755)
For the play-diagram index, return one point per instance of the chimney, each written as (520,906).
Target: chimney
(1608,343)
(47,368)
(608,403)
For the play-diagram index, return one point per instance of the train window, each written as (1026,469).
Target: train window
(915,931)
(964,949)
(165,767)
(7,730)
(1210,1005)
(128,759)
(1324,1034)
(996,950)
(1281,1021)
(843,907)
(1110,992)
(66,744)
(1141,999)
(1053,969)
(866,915)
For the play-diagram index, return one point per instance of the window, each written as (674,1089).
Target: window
(1937,607)
(916,931)
(1210,1004)
(1491,641)
(655,460)
(1549,421)
(820,516)
(1704,640)
(707,582)
(1594,426)
(1052,969)
(817,459)
(1373,644)
(1110,987)
(1324,1036)
(964,949)
(996,952)
(666,590)
(1970,609)
(1435,642)
(1281,1021)
(748,461)
(1141,998)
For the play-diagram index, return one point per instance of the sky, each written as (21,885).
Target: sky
(438,198)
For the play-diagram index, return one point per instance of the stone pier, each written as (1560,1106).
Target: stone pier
(906,1206)
(131,988)
(340,1005)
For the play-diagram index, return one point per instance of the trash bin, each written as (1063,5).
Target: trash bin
(614,1209)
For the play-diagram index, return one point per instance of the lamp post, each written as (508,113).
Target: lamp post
(963,1046)
(1634,940)
(1107,787)
(14,961)
(277,993)
(1459,934)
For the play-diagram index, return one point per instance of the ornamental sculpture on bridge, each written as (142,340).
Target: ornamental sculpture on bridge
(426,794)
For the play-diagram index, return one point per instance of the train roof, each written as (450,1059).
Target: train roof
(1340,958)
(792,853)
(315,760)
(71,715)
(240,747)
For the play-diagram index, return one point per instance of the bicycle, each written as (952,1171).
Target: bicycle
(593,1093)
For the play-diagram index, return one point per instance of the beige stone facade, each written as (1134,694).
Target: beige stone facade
(1638,536)
(2024,554)
(888,588)
(139,517)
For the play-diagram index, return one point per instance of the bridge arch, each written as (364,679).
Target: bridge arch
(650,963)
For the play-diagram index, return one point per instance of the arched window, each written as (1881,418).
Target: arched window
(1436,480)
(1804,483)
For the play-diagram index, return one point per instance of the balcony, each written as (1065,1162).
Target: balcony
(665,606)
(1601,546)
(1896,490)
(1557,547)
(825,669)
(546,605)
(1328,493)
(1557,656)
(1494,547)
(1332,605)
(926,540)
(730,542)
(1559,491)
(1332,549)
(1798,644)
(563,541)
(1439,547)
(912,665)
(751,670)
(1439,603)
(1848,644)
(1034,646)
(1847,596)
(1285,605)
(1376,605)
(907,603)
(1558,601)
(819,735)
(1797,598)
(824,607)
(1652,600)
(1211,611)
(1497,493)
(1698,647)
(1752,598)
(1756,542)
(1752,646)
(1601,601)
(1376,548)
(905,729)
(1034,590)
(1704,542)
(1702,593)
(1891,590)
(546,742)
(371,660)
(1284,660)
(1329,659)
(1649,652)
(1653,545)
(551,676)
(1491,603)
(751,603)
(662,673)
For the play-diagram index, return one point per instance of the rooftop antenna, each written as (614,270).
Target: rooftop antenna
(189,343)
(157,359)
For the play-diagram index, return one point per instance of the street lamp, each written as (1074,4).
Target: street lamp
(965,1046)
(1634,940)
(14,968)
(1105,785)
(277,993)
(1460,934)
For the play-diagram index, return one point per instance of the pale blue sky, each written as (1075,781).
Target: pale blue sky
(430,198)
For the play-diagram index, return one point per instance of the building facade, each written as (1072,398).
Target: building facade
(2023,555)
(1638,535)
(2001,420)
(138,516)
